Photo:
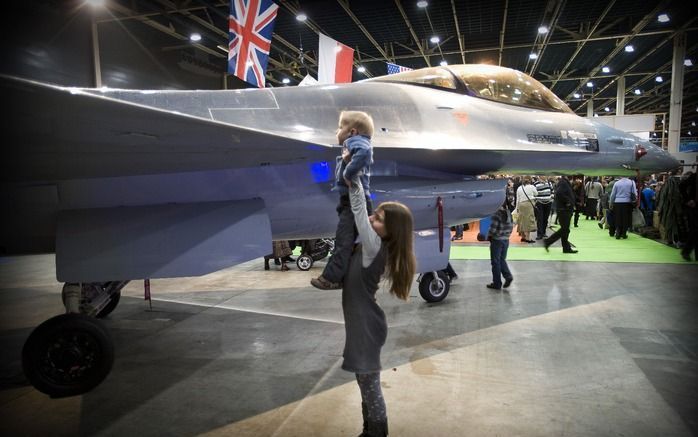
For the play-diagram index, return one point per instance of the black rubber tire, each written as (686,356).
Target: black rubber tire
(434,289)
(111,306)
(304,262)
(68,355)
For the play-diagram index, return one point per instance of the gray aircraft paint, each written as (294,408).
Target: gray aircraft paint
(105,151)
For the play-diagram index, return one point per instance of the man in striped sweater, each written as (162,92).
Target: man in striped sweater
(544,200)
(501,226)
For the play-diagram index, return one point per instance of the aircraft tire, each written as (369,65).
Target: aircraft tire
(111,306)
(68,355)
(434,289)
(304,262)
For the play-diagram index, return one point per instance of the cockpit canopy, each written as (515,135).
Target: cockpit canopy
(489,82)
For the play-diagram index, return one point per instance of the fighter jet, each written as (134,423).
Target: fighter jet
(134,184)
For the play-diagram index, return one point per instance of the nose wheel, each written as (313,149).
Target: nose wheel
(434,286)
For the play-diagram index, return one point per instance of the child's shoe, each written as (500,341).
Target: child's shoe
(323,284)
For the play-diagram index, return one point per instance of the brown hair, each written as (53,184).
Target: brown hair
(359,120)
(400,262)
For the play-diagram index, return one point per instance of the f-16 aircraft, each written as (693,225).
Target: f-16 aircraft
(133,184)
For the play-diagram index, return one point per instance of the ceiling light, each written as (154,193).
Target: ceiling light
(629,48)
(693,123)
(422,4)
(576,95)
(533,56)
(590,84)
(688,63)
(286,80)
(542,30)
(301,17)
(195,37)
(606,70)
(689,133)
(361,69)
(435,39)
(443,63)
(663,18)
(607,109)
(659,79)
(637,92)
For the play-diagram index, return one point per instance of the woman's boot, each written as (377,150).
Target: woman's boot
(377,429)
(364,413)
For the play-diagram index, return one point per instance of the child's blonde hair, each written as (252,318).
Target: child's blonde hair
(359,120)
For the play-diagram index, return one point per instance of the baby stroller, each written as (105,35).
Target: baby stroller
(313,250)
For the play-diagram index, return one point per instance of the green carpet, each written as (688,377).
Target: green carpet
(594,245)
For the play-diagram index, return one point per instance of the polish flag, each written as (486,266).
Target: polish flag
(335,61)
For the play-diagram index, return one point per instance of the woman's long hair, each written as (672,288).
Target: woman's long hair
(399,242)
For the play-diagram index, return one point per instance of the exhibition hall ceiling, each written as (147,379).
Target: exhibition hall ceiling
(586,41)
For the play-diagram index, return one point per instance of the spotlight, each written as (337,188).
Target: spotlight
(688,63)
(590,84)
(422,4)
(659,79)
(301,17)
(435,39)
(195,37)
(286,80)
(533,56)
(606,70)
(542,30)
(607,109)
(361,69)
(443,63)
(637,92)
(663,18)
(629,48)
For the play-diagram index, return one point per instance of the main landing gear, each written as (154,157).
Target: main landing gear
(71,354)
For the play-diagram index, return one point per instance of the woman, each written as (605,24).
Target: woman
(385,245)
(281,250)
(525,205)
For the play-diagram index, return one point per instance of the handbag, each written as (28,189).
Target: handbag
(638,220)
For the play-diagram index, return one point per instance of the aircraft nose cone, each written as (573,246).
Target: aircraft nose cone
(658,160)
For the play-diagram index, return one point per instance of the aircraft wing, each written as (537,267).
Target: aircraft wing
(56,133)
(59,133)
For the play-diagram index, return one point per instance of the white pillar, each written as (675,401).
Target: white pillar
(590,108)
(676,92)
(620,96)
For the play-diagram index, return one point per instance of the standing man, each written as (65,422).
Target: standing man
(564,203)
(544,200)
(622,200)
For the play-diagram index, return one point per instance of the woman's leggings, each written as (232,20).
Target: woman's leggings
(372,396)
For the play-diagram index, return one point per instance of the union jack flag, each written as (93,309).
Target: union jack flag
(251,24)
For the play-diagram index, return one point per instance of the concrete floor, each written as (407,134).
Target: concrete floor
(573,349)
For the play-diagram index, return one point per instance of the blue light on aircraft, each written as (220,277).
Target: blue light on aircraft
(320,171)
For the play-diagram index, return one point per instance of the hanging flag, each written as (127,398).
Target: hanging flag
(250,26)
(394,68)
(335,61)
